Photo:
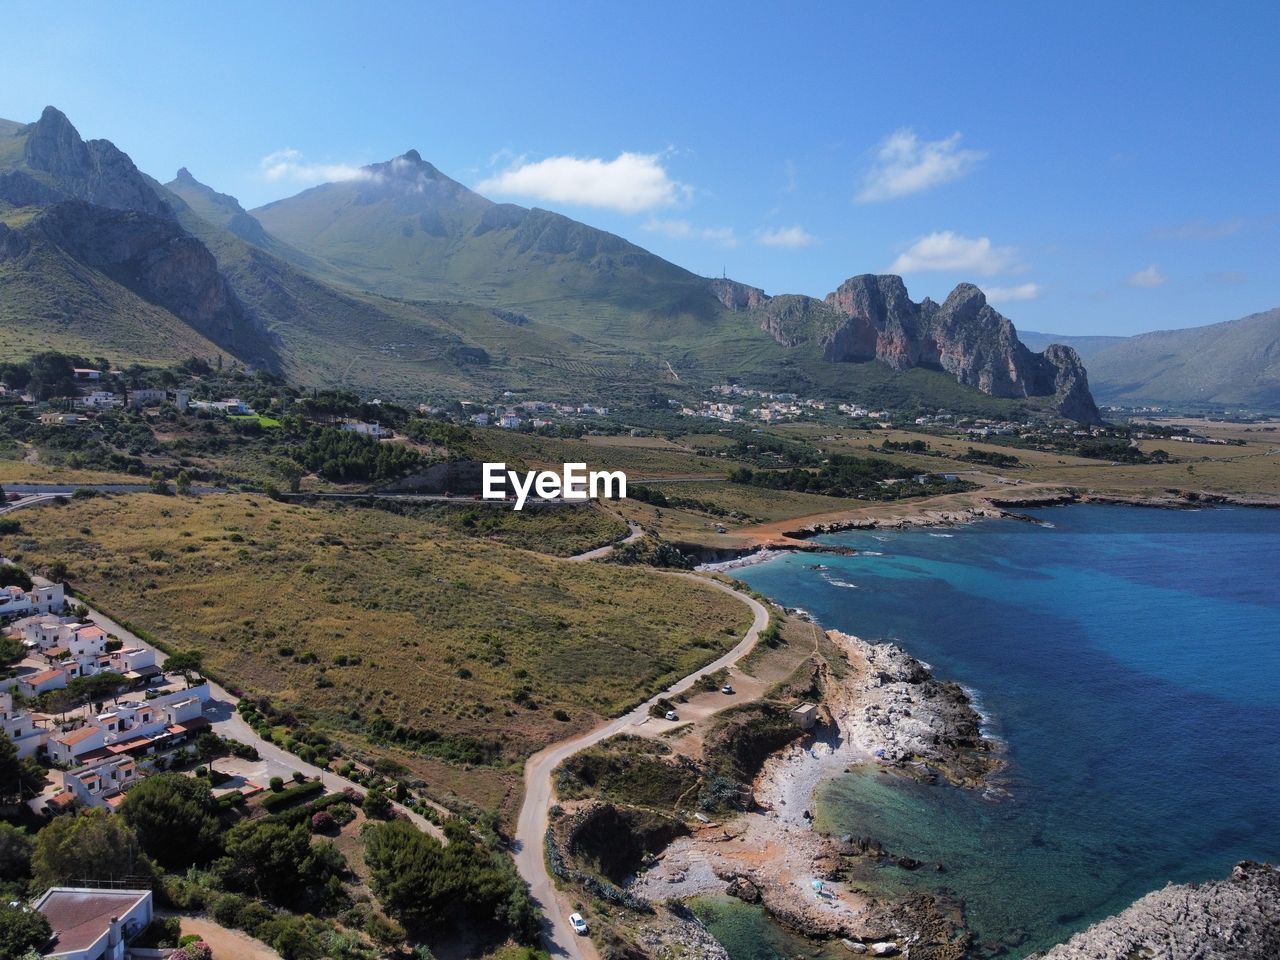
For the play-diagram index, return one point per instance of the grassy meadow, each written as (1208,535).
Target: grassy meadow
(380,629)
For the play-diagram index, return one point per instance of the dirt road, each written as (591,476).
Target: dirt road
(539,793)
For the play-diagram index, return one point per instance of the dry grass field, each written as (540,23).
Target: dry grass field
(357,619)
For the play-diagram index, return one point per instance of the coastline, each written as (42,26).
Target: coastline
(1000,506)
(883,708)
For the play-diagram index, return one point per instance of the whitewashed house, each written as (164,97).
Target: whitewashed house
(27,732)
(94,924)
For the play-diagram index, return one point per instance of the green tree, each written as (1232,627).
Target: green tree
(22,931)
(16,847)
(19,779)
(186,663)
(377,805)
(87,848)
(291,473)
(158,483)
(422,882)
(182,483)
(96,687)
(12,575)
(174,818)
(267,858)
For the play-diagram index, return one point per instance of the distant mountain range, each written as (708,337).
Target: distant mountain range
(1235,364)
(406,282)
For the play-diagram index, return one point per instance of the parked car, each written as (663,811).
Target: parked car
(672,715)
(579,925)
(727,690)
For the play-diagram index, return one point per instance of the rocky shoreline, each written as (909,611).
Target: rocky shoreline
(1233,919)
(999,506)
(885,709)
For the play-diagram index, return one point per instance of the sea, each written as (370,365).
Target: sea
(1128,661)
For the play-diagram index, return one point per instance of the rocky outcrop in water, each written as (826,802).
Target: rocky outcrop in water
(899,713)
(1233,919)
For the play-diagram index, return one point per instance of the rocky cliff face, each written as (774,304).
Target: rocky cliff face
(737,296)
(872,318)
(160,262)
(62,166)
(1234,919)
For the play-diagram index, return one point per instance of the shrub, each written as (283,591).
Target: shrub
(277,784)
(322,822)
(284,798)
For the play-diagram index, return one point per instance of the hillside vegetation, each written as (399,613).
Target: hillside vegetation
(385,630)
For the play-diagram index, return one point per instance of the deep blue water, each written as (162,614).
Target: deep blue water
(1129,658)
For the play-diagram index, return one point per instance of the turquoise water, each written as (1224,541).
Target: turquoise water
(1129,659)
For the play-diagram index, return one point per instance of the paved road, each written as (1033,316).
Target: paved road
(539,794)
(599,553)
(66,489)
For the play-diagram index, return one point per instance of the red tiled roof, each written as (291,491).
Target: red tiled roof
(78,736)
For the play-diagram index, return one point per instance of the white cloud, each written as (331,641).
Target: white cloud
(1023,291)
(288,164)
(950,251)
(684,230)
(721,235)
(795,236)
(905,164)
(1147,278)
(632,182)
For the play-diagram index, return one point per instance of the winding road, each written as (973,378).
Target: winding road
(539,793)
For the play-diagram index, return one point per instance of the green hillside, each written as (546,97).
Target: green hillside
(50,301)
(407,230)
(1236,364)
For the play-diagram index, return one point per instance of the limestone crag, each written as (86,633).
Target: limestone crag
(62,166)
(872,318)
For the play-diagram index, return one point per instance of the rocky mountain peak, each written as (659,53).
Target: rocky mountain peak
(184,176)
(94,171)
(873,318)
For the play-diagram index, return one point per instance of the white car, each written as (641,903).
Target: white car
(727,690)
(672,715)
(579,925)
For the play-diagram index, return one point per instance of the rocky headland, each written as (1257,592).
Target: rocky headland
(881,707)
(1233,919)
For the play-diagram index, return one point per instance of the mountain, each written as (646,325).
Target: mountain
(872,318)
(1231,364)
(90,255)
(1087,347)
(405,281)
(408,230)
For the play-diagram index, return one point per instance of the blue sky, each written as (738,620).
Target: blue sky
(1099,168)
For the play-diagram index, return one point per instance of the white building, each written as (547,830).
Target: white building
(138,399)
(98,400)
(16,602)
(509,421)
(480,419)
(367,429)
(27,732)
(92,924)
(102,782)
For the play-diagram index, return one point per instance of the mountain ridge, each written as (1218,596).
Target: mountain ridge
(402,275)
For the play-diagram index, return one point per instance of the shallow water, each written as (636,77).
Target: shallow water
(1129,658)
